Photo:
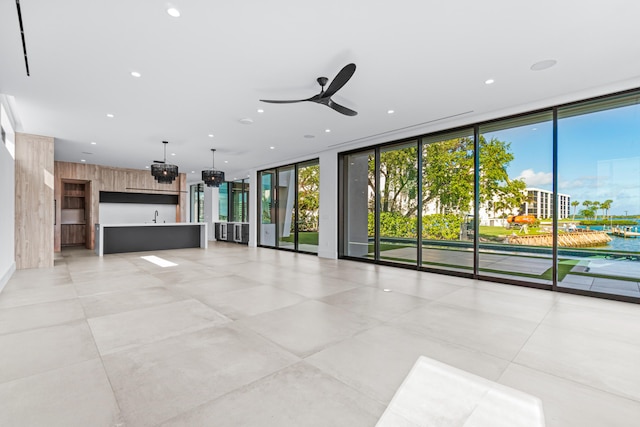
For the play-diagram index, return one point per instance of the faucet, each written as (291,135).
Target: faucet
(155,217)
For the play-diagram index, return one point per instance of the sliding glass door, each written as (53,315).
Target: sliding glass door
(289,207)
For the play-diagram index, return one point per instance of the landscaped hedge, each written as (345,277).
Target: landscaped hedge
(434,226)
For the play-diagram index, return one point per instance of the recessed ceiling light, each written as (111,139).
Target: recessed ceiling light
(93,143)
(273,148)
(489,81)
(193,171)
(135,74)
(386,290)
(210,135)
(248,176)
(327,130)
(390,111)
(543,65)
(173,154)
(246,121)
(226,161)
(111,116)
(82,160)
(260,110)
(309,136)
(172,11)
(147,167)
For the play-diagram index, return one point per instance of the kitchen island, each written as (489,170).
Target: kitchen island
(118,238)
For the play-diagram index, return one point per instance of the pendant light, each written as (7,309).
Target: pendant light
(212,177)
(163,172)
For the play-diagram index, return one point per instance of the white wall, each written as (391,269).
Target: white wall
(135,213)
(328,233)
(7,216)
(211,209)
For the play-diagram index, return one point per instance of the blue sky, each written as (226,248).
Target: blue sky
(598,157)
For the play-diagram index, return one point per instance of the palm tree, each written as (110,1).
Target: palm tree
(606,205)
(575,204)
(596,206)
(587,206)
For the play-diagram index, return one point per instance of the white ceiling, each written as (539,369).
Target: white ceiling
(202,72)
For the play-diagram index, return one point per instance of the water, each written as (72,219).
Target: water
(630,244)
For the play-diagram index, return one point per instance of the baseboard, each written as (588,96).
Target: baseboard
(7,275)
(328,254)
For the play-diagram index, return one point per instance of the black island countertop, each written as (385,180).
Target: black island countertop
(118,238)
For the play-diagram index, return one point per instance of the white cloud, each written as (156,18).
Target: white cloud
(535,179)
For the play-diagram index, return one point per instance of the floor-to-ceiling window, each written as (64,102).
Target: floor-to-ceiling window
(548,199)
(308,204)
(397,198)
(289,207)
(599,166)
(516,198)
(448,221)
(197,202)
(286,207)
(359,183)
(223,202)
(239,211)
(268,210)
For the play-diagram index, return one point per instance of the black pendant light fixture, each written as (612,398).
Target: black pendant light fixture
(212,177)
(163,172)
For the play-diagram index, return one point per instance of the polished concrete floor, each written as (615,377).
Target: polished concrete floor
(237,336)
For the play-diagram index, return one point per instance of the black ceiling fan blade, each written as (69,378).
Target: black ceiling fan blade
(159,161)
(271,101)
(340,80)
(341,109)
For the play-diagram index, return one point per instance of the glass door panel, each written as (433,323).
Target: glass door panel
(268,214)
(516,199)
(398,203)
(599,168)
(308,206)
(360,191)
(286,207)
(448,202)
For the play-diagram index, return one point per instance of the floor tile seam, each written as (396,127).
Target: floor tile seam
(189,330)
(605,309)
(81,297)
(150,307)
(48,371)
(350,386)
(129,310)
(596,335)
(315,350)
(573,381)
(509,290)
(35,328)
(36,303)
(456,343)
(235,390)
(106,373)
(446,342)
(524,344)
(502,317)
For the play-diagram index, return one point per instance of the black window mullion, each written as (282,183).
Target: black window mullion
(476,200)
(376,204)
(554,249)
(419,213)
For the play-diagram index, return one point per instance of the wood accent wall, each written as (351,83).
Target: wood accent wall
(106,178)
(34,234)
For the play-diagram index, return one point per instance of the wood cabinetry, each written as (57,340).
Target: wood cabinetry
(73,213)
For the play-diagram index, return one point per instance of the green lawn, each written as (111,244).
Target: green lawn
(304,238)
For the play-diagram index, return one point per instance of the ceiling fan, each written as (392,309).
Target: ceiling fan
(324,97)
